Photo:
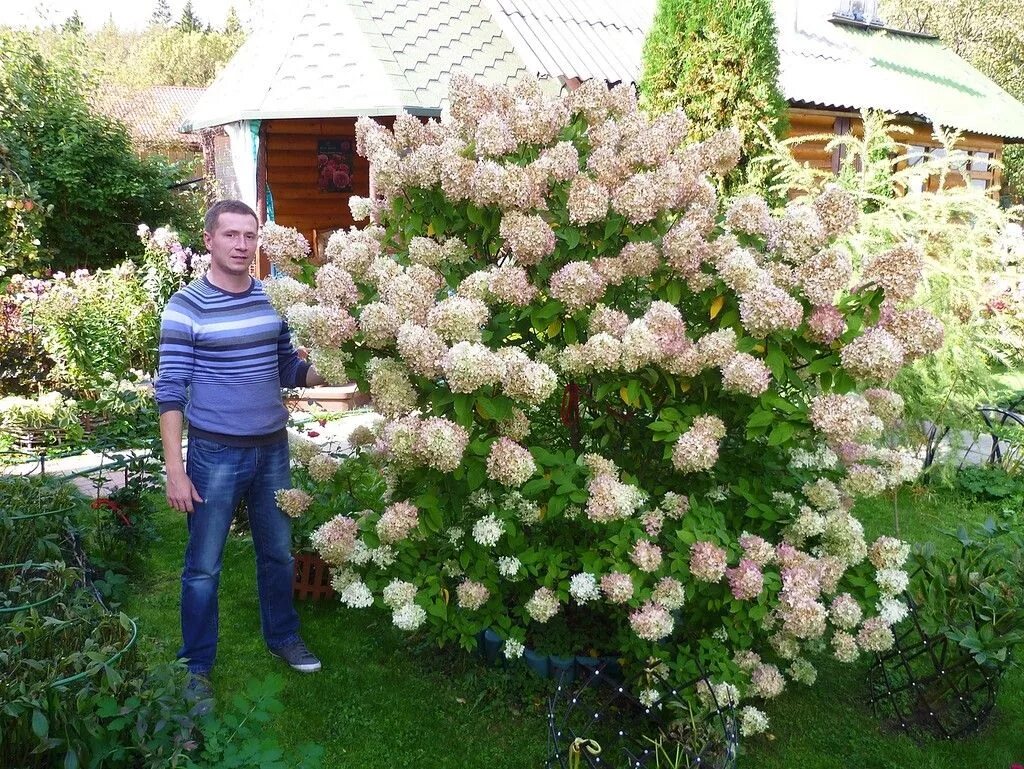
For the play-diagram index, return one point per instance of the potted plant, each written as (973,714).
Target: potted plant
(324,484)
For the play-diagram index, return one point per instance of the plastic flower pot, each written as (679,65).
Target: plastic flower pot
(537,662)
(312,579)
(562,669)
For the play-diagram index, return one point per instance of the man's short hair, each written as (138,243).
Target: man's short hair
(226,207)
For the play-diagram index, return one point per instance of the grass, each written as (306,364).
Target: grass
(830,725)
(374,705)
(379,703)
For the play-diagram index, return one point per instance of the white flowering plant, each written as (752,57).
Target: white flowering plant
(609,395)
(325,484)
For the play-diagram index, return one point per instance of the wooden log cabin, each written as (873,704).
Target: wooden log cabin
(298,85)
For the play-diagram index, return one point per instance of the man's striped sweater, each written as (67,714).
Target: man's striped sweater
(224,358)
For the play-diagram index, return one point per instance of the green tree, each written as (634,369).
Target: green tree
(177,57)
(232,24)
(73,24)
(189,22)
(161,14)
(987,33)
(78,162)
(719,61)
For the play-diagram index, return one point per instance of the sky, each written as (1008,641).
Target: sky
(128,14)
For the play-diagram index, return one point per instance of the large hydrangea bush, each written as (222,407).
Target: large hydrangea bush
(610,397)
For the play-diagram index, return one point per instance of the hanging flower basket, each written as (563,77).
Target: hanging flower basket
(597,721)
(312,579)
(928,685)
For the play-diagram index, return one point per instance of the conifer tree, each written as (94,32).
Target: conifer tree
(719,61)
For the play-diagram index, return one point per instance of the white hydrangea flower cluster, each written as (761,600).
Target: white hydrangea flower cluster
(566,294)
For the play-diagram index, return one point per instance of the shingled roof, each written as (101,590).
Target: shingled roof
(153,115)
(333,58)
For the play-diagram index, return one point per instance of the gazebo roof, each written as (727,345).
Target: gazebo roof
(335,58)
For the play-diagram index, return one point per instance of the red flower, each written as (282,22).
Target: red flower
(312,433)
(105,503)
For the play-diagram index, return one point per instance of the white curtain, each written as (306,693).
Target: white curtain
(244,136)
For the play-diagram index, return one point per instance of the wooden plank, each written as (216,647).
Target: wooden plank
(315,126)
(307,190)
(307,177)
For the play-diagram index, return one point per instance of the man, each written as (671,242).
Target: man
(225,354)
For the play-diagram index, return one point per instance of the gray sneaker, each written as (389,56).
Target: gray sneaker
(199,692)
(298,657)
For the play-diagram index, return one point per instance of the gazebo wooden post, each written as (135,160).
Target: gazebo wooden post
(262,263)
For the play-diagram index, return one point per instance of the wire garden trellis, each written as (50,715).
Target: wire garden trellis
(73,571)
(928,685)
(993,447)
(597,721)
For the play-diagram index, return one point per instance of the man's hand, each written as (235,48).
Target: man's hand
(181,494)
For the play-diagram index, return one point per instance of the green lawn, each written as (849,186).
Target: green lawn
(374,704)
(378,703)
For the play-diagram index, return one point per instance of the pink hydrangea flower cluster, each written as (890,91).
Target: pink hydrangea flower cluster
(397,522)
(651,622)
(745,581)
(434,442)
(471,595)
(509,463)
(336,539)
(697,448)
(707,561)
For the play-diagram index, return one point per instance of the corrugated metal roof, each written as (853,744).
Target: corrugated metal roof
(844,67)
(578,38)
(331,58)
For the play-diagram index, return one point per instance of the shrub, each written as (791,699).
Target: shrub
(47,420)
(21,218)
(24,365)
(565,263)
(78,163)
(975,597)
(971,258)
(331,484)
(99,324)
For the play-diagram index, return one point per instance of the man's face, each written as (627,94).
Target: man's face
(232,244)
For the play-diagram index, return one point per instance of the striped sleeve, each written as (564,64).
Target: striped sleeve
(177,356)
(291,368)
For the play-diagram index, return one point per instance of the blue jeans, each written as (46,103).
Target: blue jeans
(223,475)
